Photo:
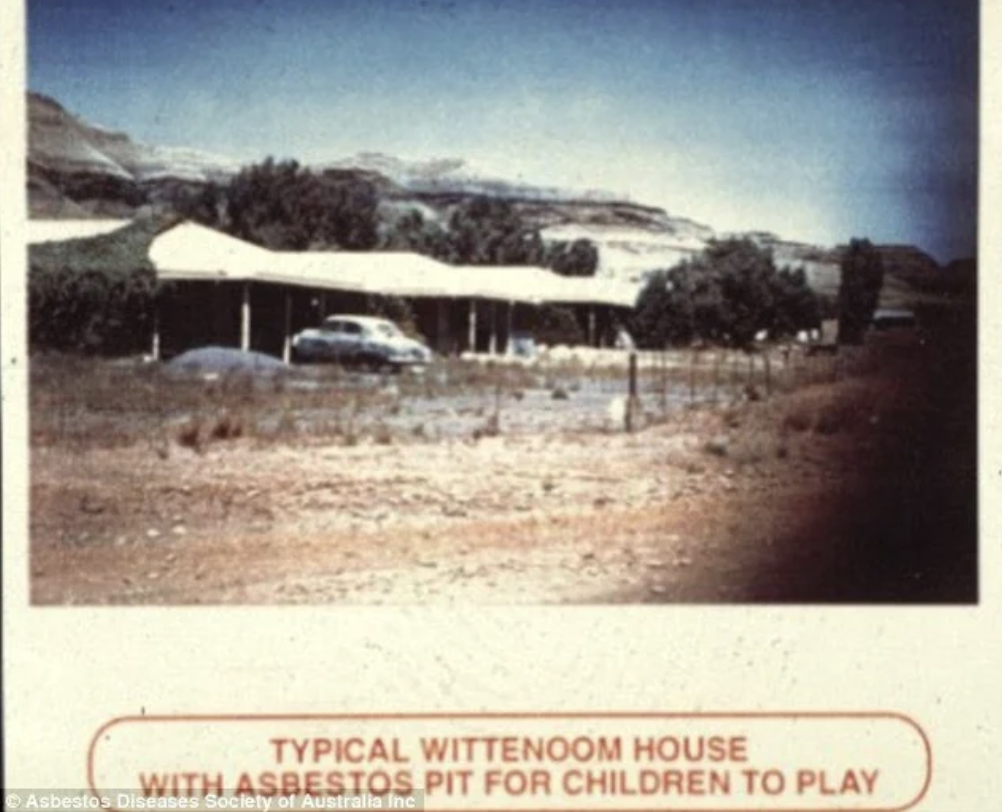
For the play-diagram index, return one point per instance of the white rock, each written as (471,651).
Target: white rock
(616,411)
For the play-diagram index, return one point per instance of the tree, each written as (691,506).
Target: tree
(284,206)
(578,258)
(859,290)
(665,311)
(489,231)
(205,204)
(727,294)
(746,274)
(411,232)
(798,307)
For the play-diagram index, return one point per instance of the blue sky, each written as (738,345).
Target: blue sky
(819,120)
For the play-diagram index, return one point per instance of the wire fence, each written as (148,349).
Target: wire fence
(87,403)
(666,382)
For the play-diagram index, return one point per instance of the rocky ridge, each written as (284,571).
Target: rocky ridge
(76,169)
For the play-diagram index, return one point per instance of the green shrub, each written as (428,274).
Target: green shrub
(96,295)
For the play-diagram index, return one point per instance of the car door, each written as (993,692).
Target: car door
(331,338)
(350,340)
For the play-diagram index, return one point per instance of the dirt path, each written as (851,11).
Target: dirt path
(534,519)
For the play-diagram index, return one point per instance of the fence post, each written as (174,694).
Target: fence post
(631,400)
(287,339)
(473,326)
(716,374)
(664,382)
(497,401)
(155,343)
(693,362)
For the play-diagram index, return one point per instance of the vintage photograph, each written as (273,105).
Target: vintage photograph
(477,302)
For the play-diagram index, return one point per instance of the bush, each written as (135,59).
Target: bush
(95,295)
(727,294)
(859,290)
(93,311)
(556,325)
(227,427)
(190,435)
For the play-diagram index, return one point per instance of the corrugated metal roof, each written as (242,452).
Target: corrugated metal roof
(597,290)
(397,273)
(509,283)
(40,231)
(190,251)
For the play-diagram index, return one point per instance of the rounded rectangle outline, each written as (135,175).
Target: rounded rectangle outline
(624,715)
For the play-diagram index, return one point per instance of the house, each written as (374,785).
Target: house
(225,291)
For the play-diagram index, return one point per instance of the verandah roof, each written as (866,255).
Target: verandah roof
(192,252)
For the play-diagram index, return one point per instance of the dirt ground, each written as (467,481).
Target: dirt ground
(861,490)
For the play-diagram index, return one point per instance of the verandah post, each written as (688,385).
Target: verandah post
(245,319)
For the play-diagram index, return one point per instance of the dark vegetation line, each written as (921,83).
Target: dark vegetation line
(98,295)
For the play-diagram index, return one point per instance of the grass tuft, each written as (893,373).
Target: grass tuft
(191,435)
(227,427)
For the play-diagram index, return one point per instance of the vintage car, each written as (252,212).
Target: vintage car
(364,341)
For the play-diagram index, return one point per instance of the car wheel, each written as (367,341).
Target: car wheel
(365,363)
